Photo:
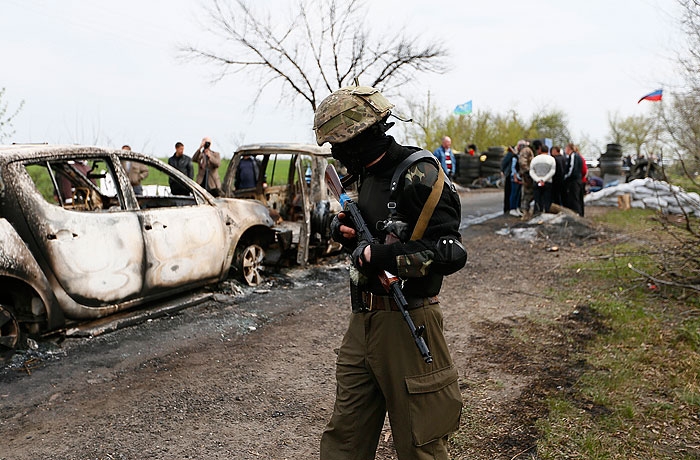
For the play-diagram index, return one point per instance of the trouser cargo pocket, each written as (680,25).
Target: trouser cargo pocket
(435,405)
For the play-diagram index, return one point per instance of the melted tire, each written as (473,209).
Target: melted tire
(10,333)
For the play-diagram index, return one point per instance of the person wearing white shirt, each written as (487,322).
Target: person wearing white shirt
(542,169)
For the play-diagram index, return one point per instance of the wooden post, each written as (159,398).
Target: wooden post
(623,202)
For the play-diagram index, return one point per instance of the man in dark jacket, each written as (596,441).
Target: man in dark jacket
(506,163)
(247,173)
(558,179)
(573,180)
(379,368)
(182,163)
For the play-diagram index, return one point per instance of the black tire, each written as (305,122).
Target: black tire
(608,166)
(496,151)
(491,164)
(489,171)
(613,148)
(611,155)
(494,156)
(10,333)
(467,162)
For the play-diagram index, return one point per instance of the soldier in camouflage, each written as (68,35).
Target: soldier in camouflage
(379,369)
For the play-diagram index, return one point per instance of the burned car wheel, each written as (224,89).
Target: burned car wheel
(249,262)
(9,332)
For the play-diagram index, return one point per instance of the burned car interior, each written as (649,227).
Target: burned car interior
(75,184)
(278,186)
(290,182)
(89,185)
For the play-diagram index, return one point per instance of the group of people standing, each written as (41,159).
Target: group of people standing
(207,173)
(534,172)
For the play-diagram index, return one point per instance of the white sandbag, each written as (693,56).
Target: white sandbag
(623,188)
(643,192)
(656,202)
(657,185)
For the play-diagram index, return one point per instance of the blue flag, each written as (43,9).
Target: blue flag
(463,109)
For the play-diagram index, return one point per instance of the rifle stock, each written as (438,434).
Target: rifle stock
(391,283)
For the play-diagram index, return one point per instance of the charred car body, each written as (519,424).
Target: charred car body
(77,242)
(290,181)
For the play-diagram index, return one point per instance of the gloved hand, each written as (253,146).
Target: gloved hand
(344,238)
(358,255)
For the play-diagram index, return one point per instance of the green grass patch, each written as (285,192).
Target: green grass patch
(640,394)
(156,177)
(685,183)
(629,221)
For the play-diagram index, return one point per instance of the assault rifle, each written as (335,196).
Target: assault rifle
(391,283)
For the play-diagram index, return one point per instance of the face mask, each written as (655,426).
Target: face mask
(361,150)
(353,159)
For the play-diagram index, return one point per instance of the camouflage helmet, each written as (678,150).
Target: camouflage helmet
(349,111)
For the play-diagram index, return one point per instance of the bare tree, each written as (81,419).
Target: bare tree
(634,132)
(679,263)
(682,118)
(5,118)
(550,123)
(320,47)
(689,59)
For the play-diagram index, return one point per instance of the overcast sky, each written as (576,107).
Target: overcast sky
(108,72)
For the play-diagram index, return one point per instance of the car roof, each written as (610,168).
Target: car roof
(15,152)
(285,147)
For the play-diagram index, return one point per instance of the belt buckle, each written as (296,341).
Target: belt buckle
(366,301)
(376,302)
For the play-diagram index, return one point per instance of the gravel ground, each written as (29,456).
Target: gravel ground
(250,374)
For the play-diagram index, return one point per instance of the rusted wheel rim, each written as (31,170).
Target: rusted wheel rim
(251,264)
(9,331)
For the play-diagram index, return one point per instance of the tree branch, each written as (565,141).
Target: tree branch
(321,42)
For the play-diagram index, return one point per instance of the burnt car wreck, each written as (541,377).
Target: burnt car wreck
(289,180)
(78,243)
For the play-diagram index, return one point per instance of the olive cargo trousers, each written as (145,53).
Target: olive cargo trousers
(380,369)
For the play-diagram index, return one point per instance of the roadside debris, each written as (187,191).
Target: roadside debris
(558,229)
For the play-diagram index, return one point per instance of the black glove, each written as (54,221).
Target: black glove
(335,231)
(358,255)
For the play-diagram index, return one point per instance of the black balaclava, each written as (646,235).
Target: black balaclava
(363,148)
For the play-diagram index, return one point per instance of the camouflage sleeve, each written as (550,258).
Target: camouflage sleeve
(414,265)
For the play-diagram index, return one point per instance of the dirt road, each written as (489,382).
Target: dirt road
(252,376)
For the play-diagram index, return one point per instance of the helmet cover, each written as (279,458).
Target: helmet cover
(349,111)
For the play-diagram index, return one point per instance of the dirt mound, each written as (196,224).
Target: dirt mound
(556,229)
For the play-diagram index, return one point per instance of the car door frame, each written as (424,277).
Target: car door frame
(167,267)
(49,241)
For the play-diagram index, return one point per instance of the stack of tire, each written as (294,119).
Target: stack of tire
(492,162)
(611,160)
(467,168)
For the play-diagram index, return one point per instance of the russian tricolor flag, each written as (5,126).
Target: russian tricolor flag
(654,96)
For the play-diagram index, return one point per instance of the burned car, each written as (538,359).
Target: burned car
(289,179)
(78,243)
